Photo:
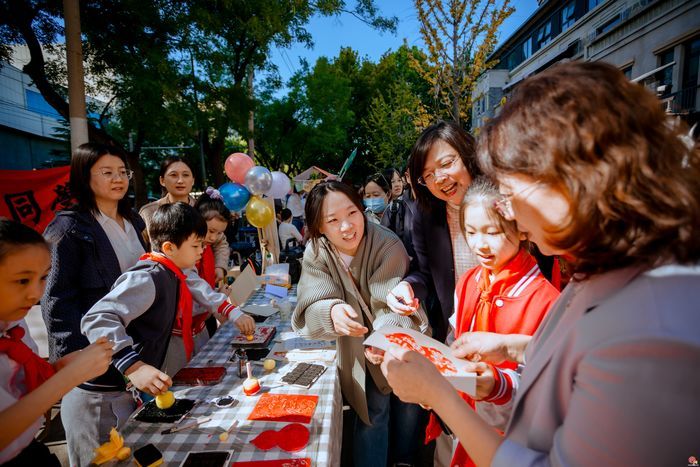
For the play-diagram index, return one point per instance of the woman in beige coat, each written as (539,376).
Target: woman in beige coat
(349,267)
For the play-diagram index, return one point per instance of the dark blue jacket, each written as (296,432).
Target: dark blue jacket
(434,266)
(83,269)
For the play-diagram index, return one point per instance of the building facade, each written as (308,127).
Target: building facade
(654,42)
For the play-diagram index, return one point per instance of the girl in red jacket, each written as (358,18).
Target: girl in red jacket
(506,293)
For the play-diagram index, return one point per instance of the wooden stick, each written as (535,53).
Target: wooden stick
(193,424)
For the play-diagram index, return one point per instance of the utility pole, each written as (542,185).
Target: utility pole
(198,122)
(251,116)
(76,85)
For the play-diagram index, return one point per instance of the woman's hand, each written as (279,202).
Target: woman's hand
(401,299)
(490,347)
(373,355)
(342,315)
(413,377)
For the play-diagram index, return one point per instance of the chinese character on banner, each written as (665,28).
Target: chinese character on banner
(33,196)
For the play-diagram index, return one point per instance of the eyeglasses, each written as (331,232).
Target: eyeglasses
(119,174)
(429,178)
(504,206)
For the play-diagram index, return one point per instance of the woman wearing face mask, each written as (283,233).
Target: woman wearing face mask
(348,268)
(377,193)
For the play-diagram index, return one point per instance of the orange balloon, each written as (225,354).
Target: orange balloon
(237,165)
(259,212)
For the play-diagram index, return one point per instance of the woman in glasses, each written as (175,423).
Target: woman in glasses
(177,180)
(591,167)
(91,246)
(442,166)
(348,269)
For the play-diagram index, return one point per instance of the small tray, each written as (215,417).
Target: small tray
(303,375)
(150,413)
(262,337)
(199,376)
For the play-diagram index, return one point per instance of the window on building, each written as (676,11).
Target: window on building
(609,24)
(544,35)
(568,15)
(527,48)
(594,3)
(665,76)
(627,71)
(691,65)
(37,103)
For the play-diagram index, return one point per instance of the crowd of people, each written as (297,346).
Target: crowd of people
(588,359)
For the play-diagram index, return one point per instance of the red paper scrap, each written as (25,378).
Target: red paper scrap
(293,437)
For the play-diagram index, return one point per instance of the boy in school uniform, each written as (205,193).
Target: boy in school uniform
(139,315)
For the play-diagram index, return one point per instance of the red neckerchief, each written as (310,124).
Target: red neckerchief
(183,320)
(205,266)
(505,280)
(36,369)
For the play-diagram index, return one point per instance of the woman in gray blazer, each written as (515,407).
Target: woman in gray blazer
(594,170)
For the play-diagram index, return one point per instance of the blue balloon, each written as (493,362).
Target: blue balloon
(235,196)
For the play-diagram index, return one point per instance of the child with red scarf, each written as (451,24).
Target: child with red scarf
(29,386)
(505,294)
(139,314)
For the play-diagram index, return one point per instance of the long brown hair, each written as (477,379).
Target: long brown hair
(607,145)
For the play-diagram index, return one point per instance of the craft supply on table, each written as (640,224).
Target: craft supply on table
(186,426)
(224,401)
(251,385)
(262,337)
(150,413)
(199,376)
(165,401)
(285,408)
(148,456)
(207,459)
(112,449)
(305,462)
(303,375)
(292,438)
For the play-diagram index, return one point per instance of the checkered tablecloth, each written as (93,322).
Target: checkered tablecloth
(326,426)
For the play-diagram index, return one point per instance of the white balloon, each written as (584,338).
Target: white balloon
(258,180)
(280,186)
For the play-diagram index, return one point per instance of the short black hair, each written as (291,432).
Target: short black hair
(286,214)
(175,223)
(82,160)
(452,134)
(210,208)
(14,236)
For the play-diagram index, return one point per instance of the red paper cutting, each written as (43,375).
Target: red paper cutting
(293,437)
(434,355)
(285,408)
(275,463)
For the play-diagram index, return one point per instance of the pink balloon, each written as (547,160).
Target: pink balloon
(237,165)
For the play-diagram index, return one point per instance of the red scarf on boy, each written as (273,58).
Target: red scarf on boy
(183,320)
(481,316)
(36,369)
(206,266)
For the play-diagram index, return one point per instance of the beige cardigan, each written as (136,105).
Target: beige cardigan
(220,247)
(379,264)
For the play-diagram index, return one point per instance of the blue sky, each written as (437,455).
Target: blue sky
(330,34)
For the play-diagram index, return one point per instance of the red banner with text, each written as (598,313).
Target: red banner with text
(33,196)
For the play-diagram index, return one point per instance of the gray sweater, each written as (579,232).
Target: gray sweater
(379,264)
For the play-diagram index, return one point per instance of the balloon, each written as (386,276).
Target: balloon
(280,186)
(236,166)
(259,212)
(235,196)
(258,180)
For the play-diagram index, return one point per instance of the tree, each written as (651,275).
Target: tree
(459,36)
